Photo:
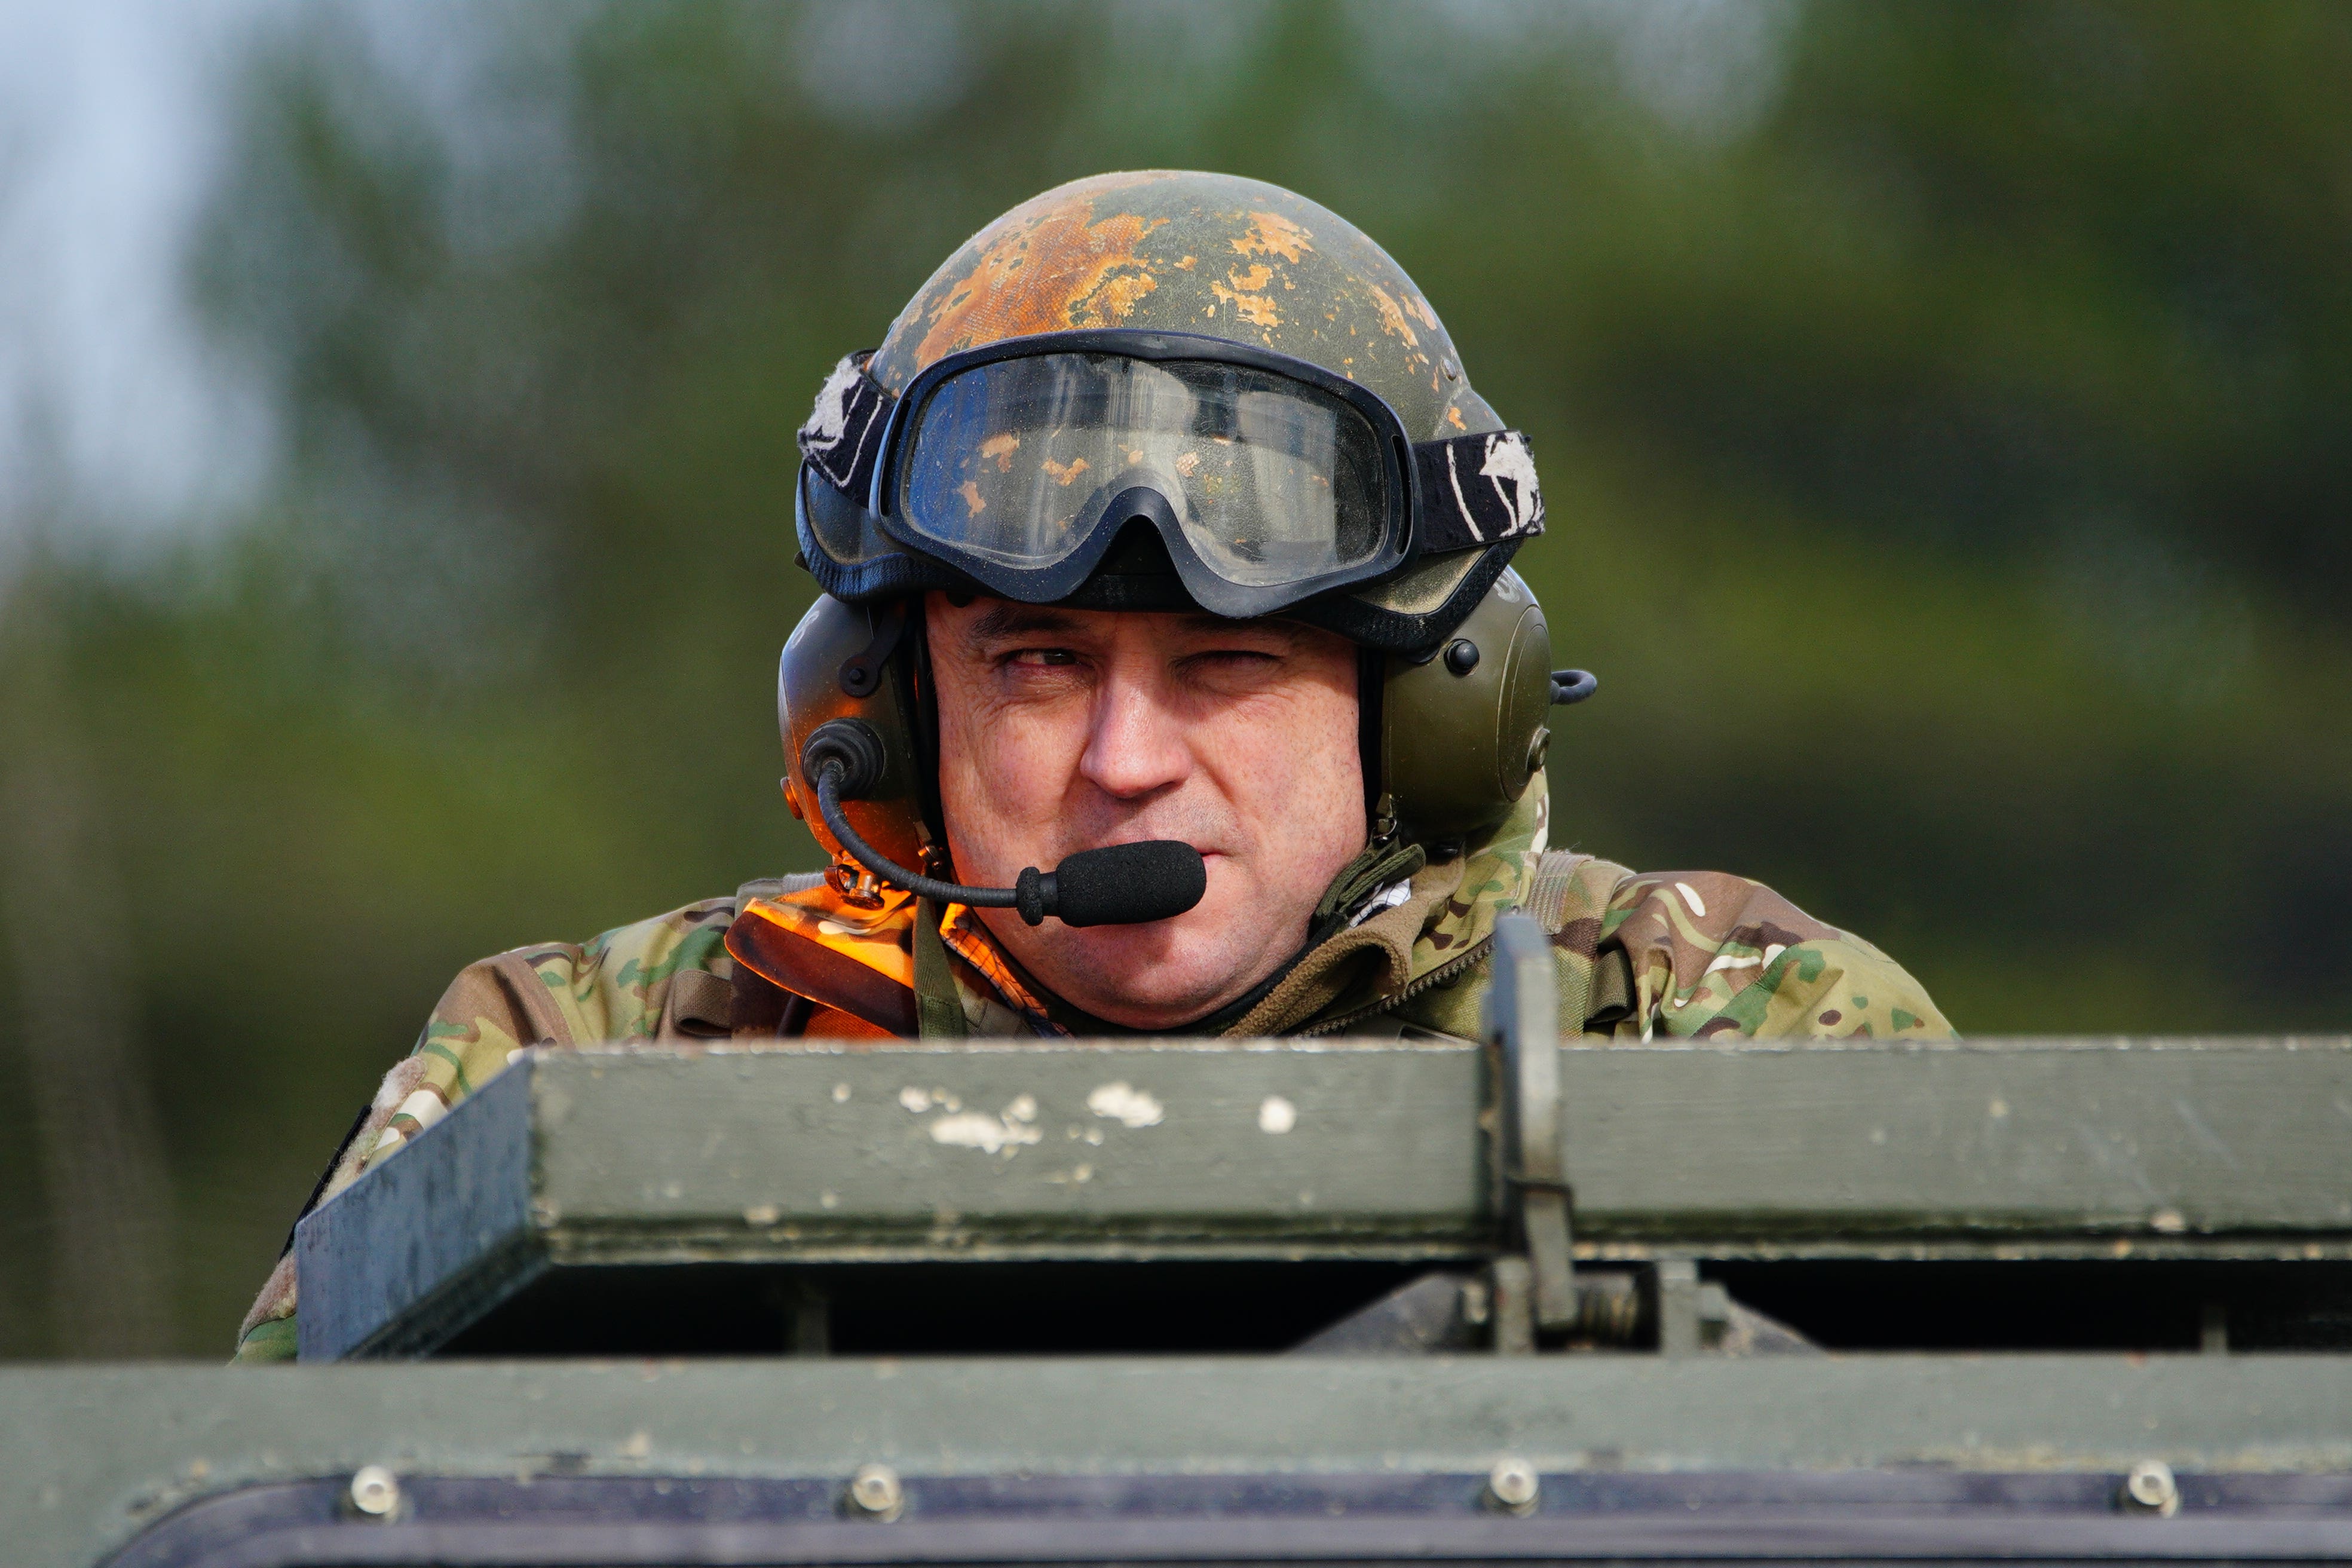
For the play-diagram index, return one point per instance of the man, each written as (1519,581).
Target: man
(1164,515)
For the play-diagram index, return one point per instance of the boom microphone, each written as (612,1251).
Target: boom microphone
(1120,884)
(1125,884)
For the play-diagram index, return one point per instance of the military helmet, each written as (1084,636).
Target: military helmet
(1171,390)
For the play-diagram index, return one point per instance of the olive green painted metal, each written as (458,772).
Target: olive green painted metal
(1346,1149)
(835,1154)
(2232,1146)
(93,1455)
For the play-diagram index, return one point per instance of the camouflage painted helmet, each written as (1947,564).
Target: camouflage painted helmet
(1177,264)
(1235,296)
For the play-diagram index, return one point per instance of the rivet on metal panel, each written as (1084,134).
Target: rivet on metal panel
(875,1492)
(1513,1486)
(2148,1487)
(375,1491)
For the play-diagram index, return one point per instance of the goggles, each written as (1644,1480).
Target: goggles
(1268,480)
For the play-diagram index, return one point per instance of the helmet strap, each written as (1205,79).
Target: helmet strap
(1372,682)
(926,726)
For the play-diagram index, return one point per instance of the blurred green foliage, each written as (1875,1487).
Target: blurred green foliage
(1943,411)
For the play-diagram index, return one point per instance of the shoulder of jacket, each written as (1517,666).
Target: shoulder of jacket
(629,983)
(1567,893)
(1708,908)
(675,937)
(692,935)
(1709,952)
(1564,886)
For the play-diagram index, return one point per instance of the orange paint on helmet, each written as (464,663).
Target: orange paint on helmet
(1050,266)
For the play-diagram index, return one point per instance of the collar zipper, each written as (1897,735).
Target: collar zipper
(1437,976)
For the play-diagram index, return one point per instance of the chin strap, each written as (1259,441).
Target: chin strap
(939,1003)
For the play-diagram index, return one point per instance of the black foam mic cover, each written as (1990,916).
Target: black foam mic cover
(1128,884)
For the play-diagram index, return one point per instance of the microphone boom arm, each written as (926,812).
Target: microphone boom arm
(828,803)
(1120,884)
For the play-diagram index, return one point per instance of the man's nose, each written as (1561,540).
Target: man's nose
(1136,743)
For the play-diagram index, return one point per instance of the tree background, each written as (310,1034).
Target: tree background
(1943,413)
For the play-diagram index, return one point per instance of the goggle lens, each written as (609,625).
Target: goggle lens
(1272,481)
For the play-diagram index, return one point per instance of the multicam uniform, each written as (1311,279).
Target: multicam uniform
(1691,955)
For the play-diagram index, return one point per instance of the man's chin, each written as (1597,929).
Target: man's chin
(1164,976)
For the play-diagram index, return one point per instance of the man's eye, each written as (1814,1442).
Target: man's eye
(1044,656)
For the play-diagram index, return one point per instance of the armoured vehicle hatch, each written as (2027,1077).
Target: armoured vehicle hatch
(1346,1301)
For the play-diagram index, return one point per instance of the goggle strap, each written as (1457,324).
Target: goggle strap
(843,437)
(1477,490)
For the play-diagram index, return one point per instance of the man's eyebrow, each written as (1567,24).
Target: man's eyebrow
(1205,624)
(1005,619)
(1215,626)
(1008,620)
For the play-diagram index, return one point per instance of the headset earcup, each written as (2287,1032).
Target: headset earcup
(1464,728)
(846,661)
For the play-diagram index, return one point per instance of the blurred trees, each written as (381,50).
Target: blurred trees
(1941,407)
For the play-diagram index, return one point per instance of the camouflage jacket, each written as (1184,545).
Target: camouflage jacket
(1692,954)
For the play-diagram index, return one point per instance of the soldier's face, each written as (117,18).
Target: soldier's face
(1070,730)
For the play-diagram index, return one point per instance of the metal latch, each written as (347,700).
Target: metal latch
(1522,1022)
(1539,1289)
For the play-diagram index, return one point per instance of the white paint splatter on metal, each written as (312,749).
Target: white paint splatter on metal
(1123,1103)
(979,1130)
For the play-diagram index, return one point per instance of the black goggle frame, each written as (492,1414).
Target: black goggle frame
(1439,496)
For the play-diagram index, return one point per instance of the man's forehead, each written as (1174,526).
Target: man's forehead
(999,618)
